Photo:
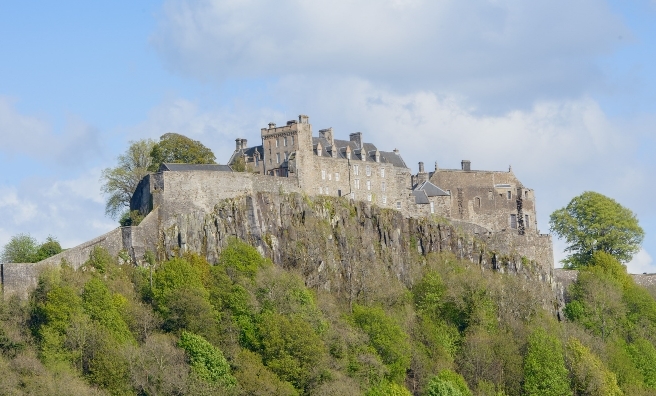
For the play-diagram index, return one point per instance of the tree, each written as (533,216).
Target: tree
(120,182)
(22,248)
(48,249)
(176,148)
(593,222)
(545,373)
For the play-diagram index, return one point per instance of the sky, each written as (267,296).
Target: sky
(562,91)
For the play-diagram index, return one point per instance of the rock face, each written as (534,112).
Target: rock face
(349,247)
(345,247)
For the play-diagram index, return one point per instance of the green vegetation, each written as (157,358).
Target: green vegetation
(593,223)
(176,148)
(120,182)
(23,248)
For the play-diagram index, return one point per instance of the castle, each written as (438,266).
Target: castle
(323,165)
(197,208)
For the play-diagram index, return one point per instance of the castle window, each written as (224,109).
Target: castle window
(382,172)
(432,204)
(292,140)
(368,170)
(525,194)
(384,199)
(478,202)
(368,184)
(286,155)
(284,141)
(277,158)
(326,190)
(276,142)
(509,194)
(369,197)
(382,186)
(330,176)
(323,174)
(398,204)
(357,184)
(320,190)
(513,221)
(336,176)
(527,222)
(490,195)
(356,169)
(352,195)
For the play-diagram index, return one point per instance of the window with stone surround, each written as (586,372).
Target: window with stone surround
(509,194)
(369,185)
(320,190)
(527,222)
(326,190)
(382,172)
(277,158)
(384,199)
(330,176)
(513,221)
(383,187)
(276,142)
(352,195)
(356,169)
(368,170)
(432,206)
(398,204)
(357,184)
(369,197)
(292,140)
(336,176)
(284,141)
(323,174)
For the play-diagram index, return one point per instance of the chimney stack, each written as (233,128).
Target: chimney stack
(238,144)
(466,165)
(421,167)
(356,138)
(272,125)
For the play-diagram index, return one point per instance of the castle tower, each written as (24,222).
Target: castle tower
(287,147)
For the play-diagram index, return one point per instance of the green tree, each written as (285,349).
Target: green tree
(21,248)
(593,222)
(589,375)
(120,182)
(48,249)
(206,360)
(545,373)
(176,148)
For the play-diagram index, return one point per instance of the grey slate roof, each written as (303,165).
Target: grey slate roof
(420,197)
(194,167)
(369,151)
(431,189)
(249,151)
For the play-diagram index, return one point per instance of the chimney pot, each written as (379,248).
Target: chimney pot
(466,165)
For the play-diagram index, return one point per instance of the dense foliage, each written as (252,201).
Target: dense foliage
(591,223)
(245,327)
(176,148)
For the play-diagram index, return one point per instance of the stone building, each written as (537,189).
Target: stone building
(323,165)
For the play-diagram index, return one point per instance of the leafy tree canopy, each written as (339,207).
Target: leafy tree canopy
(23,248)
(176,148)
(593,222)
(120,182)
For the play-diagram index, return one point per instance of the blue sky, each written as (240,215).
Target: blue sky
(564,91)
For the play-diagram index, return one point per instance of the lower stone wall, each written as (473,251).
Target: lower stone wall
(19,278)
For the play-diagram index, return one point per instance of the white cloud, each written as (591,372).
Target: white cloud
(490,52)
(641,263)
(34,137)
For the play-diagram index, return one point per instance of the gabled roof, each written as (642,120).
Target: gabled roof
(420,197)
(194,167)
(431,189)
(248,151)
